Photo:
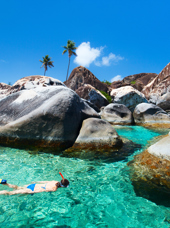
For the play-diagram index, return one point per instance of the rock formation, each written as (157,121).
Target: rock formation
(164,102)
(4,88)
(45,118)
(92,95)
(146,113)
(151,169)
(29,82)
(128,96)
(91,105)
(80,76)
(117,114)
(137,81)
(98,140)
(97,133)
(160,85)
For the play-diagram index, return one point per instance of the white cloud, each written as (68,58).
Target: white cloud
(86,55)
(106,61)
(116,78)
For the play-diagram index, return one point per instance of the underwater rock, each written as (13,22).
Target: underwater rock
(150,170)
(106,154)
(150,114)
(117,114)
(45,118)
(128,96)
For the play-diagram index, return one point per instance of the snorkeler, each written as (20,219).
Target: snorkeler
(43,186)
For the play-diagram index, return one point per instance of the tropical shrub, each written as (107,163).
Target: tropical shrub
(107,96)
(106,82)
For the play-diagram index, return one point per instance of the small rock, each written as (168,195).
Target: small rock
(146,113)
(117,114)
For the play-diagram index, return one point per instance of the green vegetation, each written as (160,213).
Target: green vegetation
(107,96)
(133,82)
(46,62)
(9,83)
(70,48)
(107,82)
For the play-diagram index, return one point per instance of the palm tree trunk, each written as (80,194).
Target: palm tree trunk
(44,72)
(68,68)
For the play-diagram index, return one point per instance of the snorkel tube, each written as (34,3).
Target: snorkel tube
(63,180)
(61,175)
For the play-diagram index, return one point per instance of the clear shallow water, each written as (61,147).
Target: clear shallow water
(100,193)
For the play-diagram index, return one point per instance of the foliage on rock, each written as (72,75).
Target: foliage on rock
(107,96)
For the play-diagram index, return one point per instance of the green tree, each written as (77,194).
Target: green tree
(46,62)
(70,48)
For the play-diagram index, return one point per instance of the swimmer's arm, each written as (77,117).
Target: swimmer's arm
(11,186)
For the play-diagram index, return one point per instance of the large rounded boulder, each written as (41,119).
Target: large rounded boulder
(99,140)
(150,170)
(45,118)
(128,96)
(164,102)
(150,114)
(29,82)
(97,133)
(117,114)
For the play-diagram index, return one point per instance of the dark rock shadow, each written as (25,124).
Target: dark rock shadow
(104,155)
(156,194)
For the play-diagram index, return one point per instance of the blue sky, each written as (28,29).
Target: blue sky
(114,37)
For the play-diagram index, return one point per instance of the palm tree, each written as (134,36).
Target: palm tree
(46,62)
(70,48)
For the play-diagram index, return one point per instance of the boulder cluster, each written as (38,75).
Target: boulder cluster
(42,113)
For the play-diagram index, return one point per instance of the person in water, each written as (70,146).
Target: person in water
(41,186)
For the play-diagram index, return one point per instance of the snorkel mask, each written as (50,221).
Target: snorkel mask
(62,179)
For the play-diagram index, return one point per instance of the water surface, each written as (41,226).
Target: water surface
(100,193)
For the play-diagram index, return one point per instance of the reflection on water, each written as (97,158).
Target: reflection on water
(100,192)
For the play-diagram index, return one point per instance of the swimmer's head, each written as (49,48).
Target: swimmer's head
(64,182)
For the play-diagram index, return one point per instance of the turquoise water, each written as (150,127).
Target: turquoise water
(100,193)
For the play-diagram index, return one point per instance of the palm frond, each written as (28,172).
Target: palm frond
(64,52)
(42,65)
(74,53)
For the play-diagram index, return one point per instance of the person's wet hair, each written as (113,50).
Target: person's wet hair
(65,182)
